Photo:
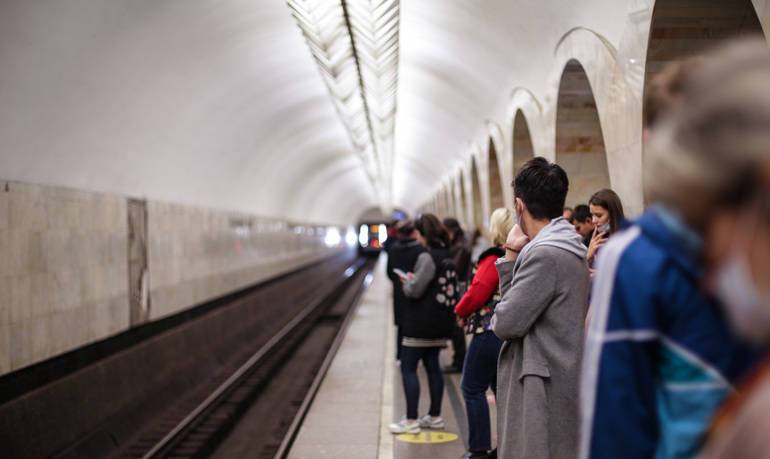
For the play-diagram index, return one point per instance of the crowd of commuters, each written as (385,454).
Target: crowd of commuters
(602,337)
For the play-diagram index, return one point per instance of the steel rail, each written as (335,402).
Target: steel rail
(299,418)
(169,439)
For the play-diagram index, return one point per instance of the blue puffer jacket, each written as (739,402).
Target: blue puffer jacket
(659,358)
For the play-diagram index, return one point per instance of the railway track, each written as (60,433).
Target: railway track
(270,391)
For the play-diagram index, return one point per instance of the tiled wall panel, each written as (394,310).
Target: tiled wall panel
(197,254)
(63,271)
(64,264)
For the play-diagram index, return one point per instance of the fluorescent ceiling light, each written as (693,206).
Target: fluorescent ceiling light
(355,44)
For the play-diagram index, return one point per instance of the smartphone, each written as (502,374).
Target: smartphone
(603,229)
(400,273)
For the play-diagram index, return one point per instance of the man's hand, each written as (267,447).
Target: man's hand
(515,242)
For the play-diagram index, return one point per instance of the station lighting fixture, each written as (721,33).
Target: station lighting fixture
(350,237)
(363,235)
(355,45)
(333,237)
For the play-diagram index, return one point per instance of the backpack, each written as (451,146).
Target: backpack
(446,293)
(432,316)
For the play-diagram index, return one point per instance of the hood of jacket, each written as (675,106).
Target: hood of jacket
(561,234)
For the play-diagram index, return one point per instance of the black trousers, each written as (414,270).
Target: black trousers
(399,336)
(458,345)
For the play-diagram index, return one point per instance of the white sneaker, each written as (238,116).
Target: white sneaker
(432,422)
(405,426)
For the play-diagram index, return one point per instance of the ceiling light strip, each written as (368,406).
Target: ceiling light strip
(323,24)
(374,26)
(355,44)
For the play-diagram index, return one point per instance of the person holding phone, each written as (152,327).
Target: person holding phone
(426,324)
(402,256)
(607,217)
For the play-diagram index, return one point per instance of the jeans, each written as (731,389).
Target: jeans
(410,357)
(479,374)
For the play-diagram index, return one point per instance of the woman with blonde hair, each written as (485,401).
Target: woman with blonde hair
(475,309)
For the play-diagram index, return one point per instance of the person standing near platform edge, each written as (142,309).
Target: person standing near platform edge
(544,282)
(427,324)
(476,308)
(402,254)
(461,254)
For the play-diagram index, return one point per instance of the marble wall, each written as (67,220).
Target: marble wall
(64,270)
(63,275)
(198,254)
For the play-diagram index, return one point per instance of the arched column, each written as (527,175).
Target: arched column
(579,140)
(618,111)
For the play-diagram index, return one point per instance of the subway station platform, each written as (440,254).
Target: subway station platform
(362,394)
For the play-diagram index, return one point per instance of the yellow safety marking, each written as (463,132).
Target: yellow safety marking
(428,437)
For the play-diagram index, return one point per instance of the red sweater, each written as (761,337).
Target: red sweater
(482,288)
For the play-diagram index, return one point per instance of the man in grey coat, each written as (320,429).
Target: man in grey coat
(544,282)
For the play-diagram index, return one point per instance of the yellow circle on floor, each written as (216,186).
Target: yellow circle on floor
(428,437)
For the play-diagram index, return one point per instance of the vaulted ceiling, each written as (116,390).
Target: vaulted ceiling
(223,104)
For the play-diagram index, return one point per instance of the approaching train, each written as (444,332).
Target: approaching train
(372,236)
(375,228)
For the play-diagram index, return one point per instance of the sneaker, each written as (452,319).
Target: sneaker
(452,369)
(432,422)
(475,455)
(405,426)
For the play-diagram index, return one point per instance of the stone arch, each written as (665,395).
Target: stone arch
(477,220)
(459,209)
(495,177)
(618,110)
(683,28)
(523,150)
(579,143)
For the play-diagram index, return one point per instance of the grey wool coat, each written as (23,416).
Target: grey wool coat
(541,320)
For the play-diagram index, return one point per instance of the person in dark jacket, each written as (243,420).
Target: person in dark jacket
(582,220)
(475,309)
(461,254)
(402,255)
(426,326)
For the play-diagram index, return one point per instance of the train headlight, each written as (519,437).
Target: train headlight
(363,236)
(383,234)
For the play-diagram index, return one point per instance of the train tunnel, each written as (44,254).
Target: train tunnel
(197,198)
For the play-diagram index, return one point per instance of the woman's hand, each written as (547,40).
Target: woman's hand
(597,240)
(515,242)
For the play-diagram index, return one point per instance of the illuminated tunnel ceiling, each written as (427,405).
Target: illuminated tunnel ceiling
(221,104)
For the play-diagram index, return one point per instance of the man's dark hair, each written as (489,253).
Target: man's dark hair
(582,213)
(543,187)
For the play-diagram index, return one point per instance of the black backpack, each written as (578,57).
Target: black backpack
(443,293)
(446,293)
